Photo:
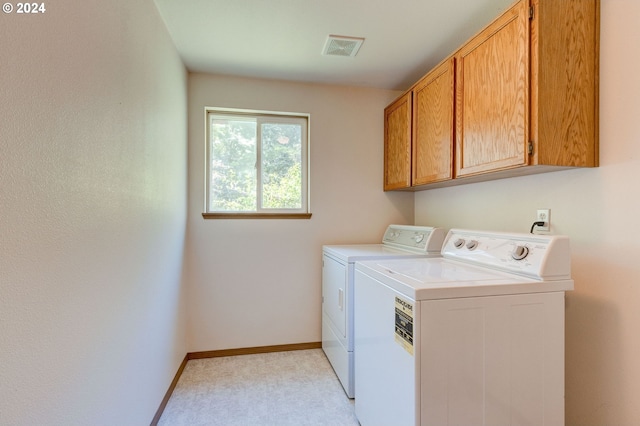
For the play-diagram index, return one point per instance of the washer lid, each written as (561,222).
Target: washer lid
(441,278)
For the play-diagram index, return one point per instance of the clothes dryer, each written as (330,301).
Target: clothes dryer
(398,241)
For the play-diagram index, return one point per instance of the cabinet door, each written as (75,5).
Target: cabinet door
(433,99)
(397,144)
(564,82)
(492,96)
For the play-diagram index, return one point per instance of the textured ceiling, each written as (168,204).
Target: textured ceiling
(284,39)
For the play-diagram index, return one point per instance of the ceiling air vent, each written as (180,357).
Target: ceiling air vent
(342,46)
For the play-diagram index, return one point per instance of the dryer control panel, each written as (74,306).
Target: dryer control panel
(545,257)
(419,239)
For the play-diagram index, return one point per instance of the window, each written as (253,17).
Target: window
(257,164)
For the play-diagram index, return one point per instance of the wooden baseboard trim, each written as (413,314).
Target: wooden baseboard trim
(256,350)
(167,395)
(221,353)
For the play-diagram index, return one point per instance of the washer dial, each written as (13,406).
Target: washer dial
(520,252)
(459,243)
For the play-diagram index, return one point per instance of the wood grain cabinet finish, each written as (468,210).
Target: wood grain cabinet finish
(565,36)
(432,142)
(525,93)
(397,144)
(492,102)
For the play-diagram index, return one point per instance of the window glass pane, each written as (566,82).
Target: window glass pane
(232,182)
(281,166)
(257,163)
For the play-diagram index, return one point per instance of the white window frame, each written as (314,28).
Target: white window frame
(261,116)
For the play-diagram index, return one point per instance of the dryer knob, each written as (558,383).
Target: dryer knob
(471,245)
(418,238)
(459,243)
(520,252)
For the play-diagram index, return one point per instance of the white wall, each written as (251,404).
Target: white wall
(598,208)
(92,213)
(257,282)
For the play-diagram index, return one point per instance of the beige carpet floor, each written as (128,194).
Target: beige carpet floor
(282,388)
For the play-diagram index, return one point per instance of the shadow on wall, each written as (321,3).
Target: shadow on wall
(593,361)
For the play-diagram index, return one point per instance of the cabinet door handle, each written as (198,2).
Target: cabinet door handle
(341,299)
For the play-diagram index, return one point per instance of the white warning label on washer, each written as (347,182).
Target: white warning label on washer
(404,324)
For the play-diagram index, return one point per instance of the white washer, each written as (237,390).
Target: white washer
(337,287)
(473,337)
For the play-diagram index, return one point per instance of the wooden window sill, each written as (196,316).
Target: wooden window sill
(256,215)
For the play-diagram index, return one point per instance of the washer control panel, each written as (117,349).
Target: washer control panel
(536,256)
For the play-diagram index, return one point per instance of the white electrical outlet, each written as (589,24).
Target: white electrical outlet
(543,215)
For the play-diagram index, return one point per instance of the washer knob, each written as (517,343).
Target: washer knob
(471,245)
(418,237)
(520,252)
(459,243)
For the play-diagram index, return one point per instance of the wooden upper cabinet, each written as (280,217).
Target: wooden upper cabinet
(527,90)
(521,97)
(433,107)
(397,144)
(564,92)
(492,99)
